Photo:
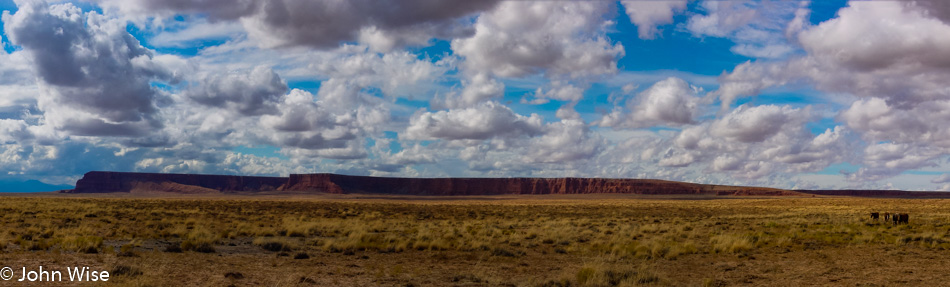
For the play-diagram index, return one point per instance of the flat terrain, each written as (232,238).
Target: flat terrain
(579,240)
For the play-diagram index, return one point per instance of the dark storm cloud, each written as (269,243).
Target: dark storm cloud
(937,8)
(321,24)
(94,76)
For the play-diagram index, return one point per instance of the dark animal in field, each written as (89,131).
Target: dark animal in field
(895,217)
(887,216)
(875,215)
(903,218)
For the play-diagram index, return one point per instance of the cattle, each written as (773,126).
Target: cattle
(903,218)
(895,217)
(875,215)
(887,216)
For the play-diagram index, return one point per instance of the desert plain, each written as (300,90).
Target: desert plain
(286,239)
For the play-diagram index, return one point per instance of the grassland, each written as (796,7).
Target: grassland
(507,241)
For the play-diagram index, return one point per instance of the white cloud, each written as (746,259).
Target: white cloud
(14,131)
(869,36)
(323,130)
(943,178)
(560,91)
(756,124)
(892,57)
(565,141)
(565,41)
(197,31)
(722,18)
(754,142)
(558,38)
(17,82)
(476,89)
(670,102)
(760,29)
(650,14)
(483,121)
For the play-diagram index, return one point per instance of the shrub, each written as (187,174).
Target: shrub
(611,275)
(274,244)
(726,243)
(172,248)
(123,270)
(86,244)
(200,239)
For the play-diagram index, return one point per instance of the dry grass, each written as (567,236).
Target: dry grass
(526,241)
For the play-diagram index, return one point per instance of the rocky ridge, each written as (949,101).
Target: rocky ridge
(99,181)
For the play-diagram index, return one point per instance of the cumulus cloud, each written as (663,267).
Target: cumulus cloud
(317,130)
(476,89)
(878,121)
(753,142)
(884,160)
(565,41)
(495,141)
(755,124)
(670,102)
(483,121)
(248,94)
(862,52)
(395,74)
(15,69)
(94,77)
(760,29)
(325,24)
(17,82)
(14,131)
(722,18)
(565,141)
(858,39)
(892,57)
(560,38)
(650,14)
(558,90)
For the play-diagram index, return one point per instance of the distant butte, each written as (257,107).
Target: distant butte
(129,182)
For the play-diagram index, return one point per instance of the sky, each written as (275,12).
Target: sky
(786,94)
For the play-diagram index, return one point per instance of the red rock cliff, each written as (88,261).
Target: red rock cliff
(334,183)
(98,181)
(104,181)
(879,193)
(311,182)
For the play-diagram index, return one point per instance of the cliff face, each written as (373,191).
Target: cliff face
(98,181)
(879,193)
(311,182)
(334,183)
(104,181)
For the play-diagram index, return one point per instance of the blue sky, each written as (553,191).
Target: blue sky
(769,93)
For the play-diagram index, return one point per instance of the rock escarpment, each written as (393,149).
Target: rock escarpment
(104,181)
(879,193)
(334,183)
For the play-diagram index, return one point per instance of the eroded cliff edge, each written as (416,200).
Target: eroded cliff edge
(335,183)
(107,181)
(98,181)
